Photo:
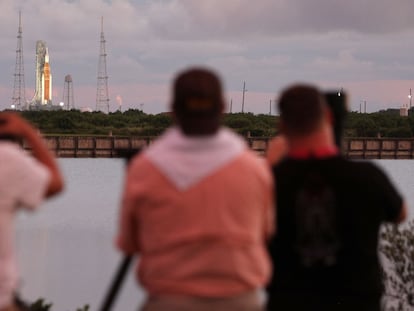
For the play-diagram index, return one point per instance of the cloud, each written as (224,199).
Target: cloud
(188,19)
(268,43)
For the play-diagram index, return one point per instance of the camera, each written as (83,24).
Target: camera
(337,101)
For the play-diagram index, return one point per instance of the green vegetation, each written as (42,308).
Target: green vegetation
(41,305)
(135,122)
(397,246)
(379,124)
(74,122)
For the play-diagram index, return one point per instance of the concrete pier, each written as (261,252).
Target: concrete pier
(113,146)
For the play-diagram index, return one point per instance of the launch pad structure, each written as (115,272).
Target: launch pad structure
(102,97)
(42,99)
(19,97)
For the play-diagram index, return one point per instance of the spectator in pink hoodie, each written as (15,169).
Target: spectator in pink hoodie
(197,208)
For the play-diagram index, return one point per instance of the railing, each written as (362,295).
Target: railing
(114,146)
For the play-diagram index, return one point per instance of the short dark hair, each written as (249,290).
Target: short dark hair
(197,100)
(301,108)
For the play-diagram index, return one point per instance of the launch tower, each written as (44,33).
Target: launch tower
(19,97)
(102,98)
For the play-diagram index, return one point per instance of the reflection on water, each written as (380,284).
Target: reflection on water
(66,250)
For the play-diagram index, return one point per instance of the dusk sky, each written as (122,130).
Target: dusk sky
(365,47)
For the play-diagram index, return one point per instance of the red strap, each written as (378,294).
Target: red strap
(319,153)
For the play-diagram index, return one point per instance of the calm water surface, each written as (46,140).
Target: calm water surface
(66,250)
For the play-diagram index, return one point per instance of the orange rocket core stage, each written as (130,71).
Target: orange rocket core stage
(46,74)
(46,80)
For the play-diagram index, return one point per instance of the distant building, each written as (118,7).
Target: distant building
(404,112)
(391,111)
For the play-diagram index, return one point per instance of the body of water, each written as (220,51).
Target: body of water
(66,249)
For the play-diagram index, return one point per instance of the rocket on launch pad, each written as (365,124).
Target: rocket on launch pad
(43,92)
(46,81)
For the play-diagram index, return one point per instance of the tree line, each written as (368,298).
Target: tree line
(134,122)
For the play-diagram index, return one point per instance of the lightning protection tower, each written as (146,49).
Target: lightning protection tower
(102,98)
(68,99)
(19,97)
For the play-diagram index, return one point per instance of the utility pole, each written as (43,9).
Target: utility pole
(365,106)
(231,105)
(410,98)
(19,97)
(244,91)
(270,107)
(102,97)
